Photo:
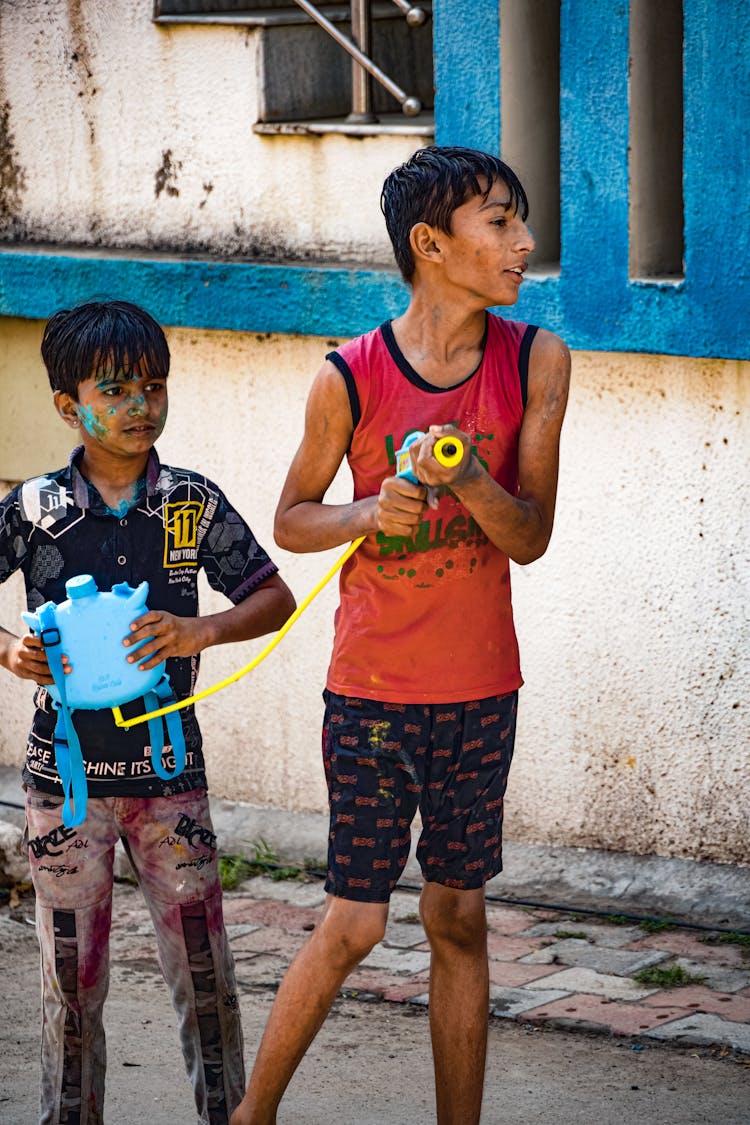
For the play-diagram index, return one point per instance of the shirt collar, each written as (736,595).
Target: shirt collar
(85,495)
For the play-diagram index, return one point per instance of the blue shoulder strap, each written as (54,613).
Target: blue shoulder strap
(68,756)
(161,695)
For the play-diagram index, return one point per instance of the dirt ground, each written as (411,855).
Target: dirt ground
(371,1062)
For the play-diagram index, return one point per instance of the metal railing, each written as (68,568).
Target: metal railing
(363,68)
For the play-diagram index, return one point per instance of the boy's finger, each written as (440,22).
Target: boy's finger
(151,618)
(144,652)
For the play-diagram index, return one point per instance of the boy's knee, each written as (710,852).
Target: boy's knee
(351,929)
(455,918)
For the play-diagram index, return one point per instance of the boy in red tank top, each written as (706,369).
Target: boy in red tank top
(423,682)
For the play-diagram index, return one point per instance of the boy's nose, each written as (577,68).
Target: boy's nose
(526,239)
(137,406)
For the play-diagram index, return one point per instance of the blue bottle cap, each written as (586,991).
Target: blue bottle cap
(82,586)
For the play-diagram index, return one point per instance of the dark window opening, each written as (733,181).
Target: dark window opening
(656,207)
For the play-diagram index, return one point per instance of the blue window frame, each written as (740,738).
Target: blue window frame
(592,302)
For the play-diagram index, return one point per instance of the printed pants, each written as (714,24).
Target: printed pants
(172,847)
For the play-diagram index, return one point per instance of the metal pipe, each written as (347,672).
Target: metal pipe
(362,113)
(411,106)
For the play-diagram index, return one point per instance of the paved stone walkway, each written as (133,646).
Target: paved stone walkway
(546,967)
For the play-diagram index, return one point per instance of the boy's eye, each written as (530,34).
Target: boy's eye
(154,388)
(499,222)
(111,391)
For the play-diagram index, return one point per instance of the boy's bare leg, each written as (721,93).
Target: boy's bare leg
(456,926)
(344,936)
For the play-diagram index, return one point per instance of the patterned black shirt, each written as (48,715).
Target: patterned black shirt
(56,526)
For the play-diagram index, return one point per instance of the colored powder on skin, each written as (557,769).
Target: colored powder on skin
(129,502)
(137,404)
(91,422)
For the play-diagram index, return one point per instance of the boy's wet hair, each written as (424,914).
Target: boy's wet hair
(99,339)
(429,187)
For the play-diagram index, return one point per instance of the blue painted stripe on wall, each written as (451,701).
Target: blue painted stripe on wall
(320,302)
(206,294)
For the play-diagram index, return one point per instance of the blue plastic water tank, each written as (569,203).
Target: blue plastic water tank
(92,625)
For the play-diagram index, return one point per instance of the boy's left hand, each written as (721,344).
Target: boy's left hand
(170,636)
(431,472)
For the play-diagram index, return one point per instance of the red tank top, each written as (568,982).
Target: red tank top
(428,619)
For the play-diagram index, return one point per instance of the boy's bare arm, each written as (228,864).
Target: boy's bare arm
(303,522)
(264,611)
(520,525)
(25,657)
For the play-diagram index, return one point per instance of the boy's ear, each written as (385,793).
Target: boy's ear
(67,408)
(424,243)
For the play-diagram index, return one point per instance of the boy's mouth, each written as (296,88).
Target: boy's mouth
(140,428)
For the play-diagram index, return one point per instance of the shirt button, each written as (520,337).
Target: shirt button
(123,523)
(121,560)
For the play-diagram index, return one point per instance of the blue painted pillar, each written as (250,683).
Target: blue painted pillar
(466,37)
(716,167)
(594,161)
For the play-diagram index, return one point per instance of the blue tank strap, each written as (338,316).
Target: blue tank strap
(68,756)
(161,695)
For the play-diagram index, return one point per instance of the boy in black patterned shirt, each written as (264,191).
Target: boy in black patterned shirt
(116,513)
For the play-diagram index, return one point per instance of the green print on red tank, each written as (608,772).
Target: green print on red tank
(456,536)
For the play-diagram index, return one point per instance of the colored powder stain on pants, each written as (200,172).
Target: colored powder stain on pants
(172,847)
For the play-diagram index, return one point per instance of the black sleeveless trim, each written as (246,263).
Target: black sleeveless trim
(340,363)
(413,376)
(523,360)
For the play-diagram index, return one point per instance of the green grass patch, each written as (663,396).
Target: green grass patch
(654,925)
(563,934)
(235,869)
(728,938)
(669,976)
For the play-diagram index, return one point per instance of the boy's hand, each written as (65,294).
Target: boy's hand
(431,471)
(171,636)
(401,505)
(26,658)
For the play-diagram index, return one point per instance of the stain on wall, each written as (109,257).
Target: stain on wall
(165,179)
(80,66)
(12,178)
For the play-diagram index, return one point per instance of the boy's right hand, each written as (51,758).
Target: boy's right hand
(26,658)
(401,506)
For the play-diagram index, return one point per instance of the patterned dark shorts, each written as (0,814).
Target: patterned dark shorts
(385,760)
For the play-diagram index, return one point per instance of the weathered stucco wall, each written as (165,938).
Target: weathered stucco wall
(117,132)
(633,727)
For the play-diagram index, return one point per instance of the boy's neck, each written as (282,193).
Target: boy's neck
(115,479)
(442,341)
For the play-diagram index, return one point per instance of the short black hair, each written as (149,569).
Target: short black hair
(431,184)
(100,337)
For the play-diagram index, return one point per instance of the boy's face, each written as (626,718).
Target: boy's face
(121,413)
(486,252)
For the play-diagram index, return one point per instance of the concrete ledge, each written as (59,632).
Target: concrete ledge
(617,882)
(709,894)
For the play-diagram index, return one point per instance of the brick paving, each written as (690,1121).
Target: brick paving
(546,967)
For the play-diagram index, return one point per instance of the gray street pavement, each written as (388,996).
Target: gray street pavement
(371,1063)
